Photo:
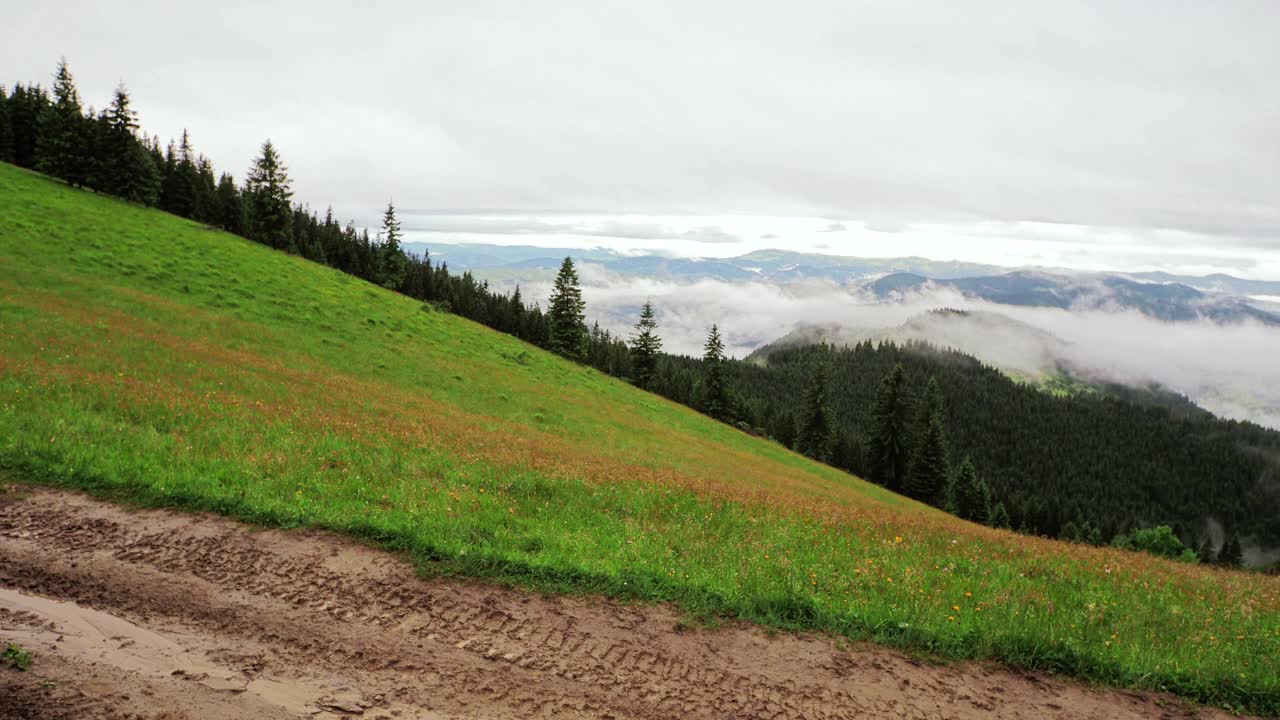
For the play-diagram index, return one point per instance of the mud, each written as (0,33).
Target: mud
(154,614)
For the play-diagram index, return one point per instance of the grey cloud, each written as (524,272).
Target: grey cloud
(835,227)
(512,225)
(1144,114)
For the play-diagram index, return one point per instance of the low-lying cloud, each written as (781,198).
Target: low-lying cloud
(612,228)
(1230,370)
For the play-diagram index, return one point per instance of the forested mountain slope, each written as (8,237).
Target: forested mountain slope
(1114,459)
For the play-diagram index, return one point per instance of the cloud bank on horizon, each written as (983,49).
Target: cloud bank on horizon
(1227,369)
(1131,127)
(1021,244)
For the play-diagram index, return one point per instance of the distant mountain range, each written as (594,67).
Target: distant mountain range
(1176,298)
(1172,301)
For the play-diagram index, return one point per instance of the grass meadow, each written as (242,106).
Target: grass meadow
(149,359)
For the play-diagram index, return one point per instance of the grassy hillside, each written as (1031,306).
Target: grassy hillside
(146,357)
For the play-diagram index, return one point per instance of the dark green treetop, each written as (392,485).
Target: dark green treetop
(645,347)
(567,314)
(268,191)
(392,262)
(927,473)
(815,434)
(889,445)
(62,140)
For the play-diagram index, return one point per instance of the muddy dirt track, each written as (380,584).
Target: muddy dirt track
(152,614)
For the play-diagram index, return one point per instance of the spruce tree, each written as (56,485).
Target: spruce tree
(177,195)
(204,186)
(645,346)
(267,194)
(1070,532)
(1205,552)
(125,168)
(62,142)
(567,314)
(6,128)
(972,499)
(1000,516)
(230,206)
(889,448)
(392,263)
(927,473)
(1232,554)
(26,105)
(815,434)
(715,381)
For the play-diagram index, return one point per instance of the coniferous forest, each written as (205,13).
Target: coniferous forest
(936,425)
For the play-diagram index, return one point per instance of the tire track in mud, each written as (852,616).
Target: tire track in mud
(313,611)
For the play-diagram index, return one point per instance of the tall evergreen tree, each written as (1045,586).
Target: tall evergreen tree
(26,105)
(645,347)
(715,400)
(1000,517)
(230,206)
(267,192)
(177,187)
(62,133)
(125,168)
(889,445)
(6,128)
(392,263)
(1232,554)
(969,494)
(204,186)
(815,434)
(1205,552)
(567,314)
(928,471)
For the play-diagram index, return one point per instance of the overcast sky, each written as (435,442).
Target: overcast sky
(1120,131)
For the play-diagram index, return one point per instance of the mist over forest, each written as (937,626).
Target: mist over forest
(1229,369)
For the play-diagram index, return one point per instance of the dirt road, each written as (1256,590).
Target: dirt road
(152,614)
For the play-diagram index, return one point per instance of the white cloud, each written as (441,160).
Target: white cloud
(1143,114)
(1228,369)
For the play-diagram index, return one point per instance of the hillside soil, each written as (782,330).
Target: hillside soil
(155,614)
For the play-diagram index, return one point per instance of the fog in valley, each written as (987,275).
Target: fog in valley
(1231,370)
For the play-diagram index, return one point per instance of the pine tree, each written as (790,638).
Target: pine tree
(62,141)
(125,168)
(815,434)
(6,128)
(927,473)
(267,194)
(392,263)
(567,314)
(1232,554)
(1000,517)
(715,399)
(204,192)
(1205,552)
(26,105)
(177,191)
(230,206)
(645,346)
(1070,532)
(889,447)
(972,498)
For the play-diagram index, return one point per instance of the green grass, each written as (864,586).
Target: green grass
(149,359)
(15,658)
